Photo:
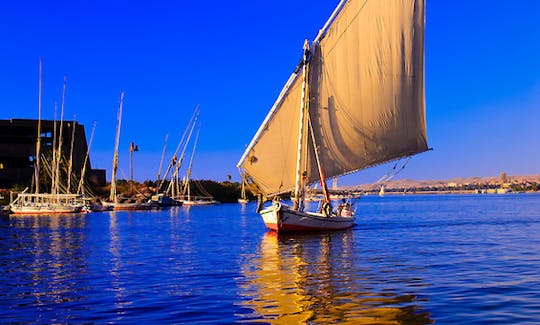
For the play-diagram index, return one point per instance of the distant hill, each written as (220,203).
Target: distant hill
(460,182)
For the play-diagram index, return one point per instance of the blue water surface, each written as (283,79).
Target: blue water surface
(447,259)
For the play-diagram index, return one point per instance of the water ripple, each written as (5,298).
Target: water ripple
(409,260)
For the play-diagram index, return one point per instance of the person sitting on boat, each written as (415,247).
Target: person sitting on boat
(345,209)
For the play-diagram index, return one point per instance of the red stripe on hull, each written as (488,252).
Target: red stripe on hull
(285,227)
(283,219)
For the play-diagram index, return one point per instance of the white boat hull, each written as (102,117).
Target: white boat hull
(35,210)
(199,202)
(281,218)
(46,204)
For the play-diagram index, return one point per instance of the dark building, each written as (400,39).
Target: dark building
(18,150)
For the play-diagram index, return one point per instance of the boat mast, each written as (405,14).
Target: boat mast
(243,192)
(188,174)
(174,159)
(112,197)
(53,162)
(324,187)
(181,158)
(60,135)
(80,189)
(174,177)
(288,84)
(299,186)
(162,157)
(132,148)
(70,165)
(38,142)
(298,191)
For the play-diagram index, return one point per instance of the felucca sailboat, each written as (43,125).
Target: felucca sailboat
(113,197)
(355,100)
(243,197)
(187,198)
(40,203)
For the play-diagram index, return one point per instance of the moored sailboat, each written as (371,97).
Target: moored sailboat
(124,203)
(162,200)
(38,203)
(46,204)
(172,195)
(187,198)
(356,100)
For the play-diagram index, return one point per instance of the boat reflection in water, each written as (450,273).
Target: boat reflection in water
(44,265)
(314,278)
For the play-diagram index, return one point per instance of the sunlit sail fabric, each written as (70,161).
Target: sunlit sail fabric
(367,86)
(366,97)
(272,161)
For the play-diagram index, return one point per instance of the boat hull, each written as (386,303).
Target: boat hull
(281,218)
(46,204)
(129,206)
(164,201)
(44,211)
(199,202)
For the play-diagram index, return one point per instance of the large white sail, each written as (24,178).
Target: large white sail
(366,97)
(367,86)
(271,161)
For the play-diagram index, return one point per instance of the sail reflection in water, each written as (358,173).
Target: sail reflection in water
(314,278)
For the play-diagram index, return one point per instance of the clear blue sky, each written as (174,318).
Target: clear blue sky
(232,58)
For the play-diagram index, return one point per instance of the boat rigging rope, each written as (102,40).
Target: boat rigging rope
(387,177)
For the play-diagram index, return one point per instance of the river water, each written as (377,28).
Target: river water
(471,259)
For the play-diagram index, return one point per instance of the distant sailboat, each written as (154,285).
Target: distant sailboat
(381,191)
(356,100)
(173,194)
(162,199)
(243,198)
(187,198)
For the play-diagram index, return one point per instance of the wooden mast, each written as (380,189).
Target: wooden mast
(70,164)
(53,162)
(188,174)
(319,167)
(288,85)
(132,148)
(38,142)
(112,196)
(80,189)
(243,192)
(162,157)
(174,184)
(173,162)
(299,186)
(60,136)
